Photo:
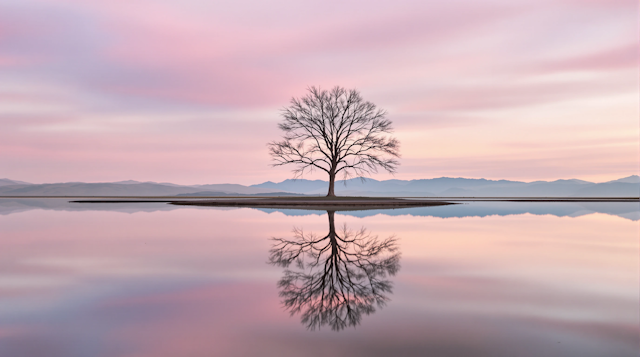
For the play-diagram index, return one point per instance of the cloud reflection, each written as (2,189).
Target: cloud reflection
(336,278)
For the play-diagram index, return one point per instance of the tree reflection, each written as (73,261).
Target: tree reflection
(337,278)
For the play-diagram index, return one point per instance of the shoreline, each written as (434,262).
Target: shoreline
(341,202)
(140,199)
(327,203)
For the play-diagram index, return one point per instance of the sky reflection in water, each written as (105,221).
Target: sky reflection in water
(549,280)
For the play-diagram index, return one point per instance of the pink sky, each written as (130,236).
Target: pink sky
(190,91)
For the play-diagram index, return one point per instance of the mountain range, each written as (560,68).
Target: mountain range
(463,187)
(436,187)
(123,188)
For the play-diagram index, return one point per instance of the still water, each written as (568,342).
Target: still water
(475,279)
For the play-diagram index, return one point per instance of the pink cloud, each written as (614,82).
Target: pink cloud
(433,65)
(622,57)
(504,95)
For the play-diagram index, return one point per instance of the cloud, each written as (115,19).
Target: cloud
(133,72)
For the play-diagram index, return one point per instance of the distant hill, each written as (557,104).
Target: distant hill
(7,182)
(630,179)
(610,189)
(299,186)
(217,194)
(122,189)
(437,187)
(236,188)
(463,187)
(93,189)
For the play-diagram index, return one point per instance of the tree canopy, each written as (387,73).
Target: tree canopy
(338,132)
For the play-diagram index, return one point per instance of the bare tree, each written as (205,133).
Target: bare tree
(337,132)
(337,278)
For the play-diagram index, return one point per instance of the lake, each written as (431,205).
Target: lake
(475,279)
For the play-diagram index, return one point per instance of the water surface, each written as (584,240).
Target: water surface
(479,279)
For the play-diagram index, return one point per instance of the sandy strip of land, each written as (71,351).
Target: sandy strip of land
(317,203)
(339,203)
(106,199)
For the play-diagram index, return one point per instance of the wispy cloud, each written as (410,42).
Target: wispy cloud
(151,75)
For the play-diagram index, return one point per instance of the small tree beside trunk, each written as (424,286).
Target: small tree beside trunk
(336,132)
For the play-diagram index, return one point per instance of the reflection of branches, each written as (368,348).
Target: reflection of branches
(338,278)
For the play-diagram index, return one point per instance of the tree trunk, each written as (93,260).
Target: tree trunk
(332,225)
(332,181)
(332,235)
